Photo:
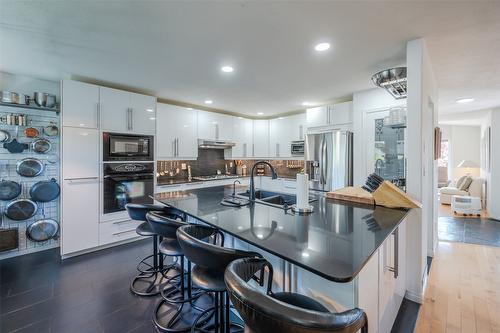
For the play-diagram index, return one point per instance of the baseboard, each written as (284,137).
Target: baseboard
(102,247)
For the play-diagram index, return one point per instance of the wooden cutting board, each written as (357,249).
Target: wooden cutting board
(352,194)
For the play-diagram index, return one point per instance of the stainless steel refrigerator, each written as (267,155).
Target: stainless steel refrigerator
(329,159)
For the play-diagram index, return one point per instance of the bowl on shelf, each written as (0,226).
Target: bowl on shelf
(44,99)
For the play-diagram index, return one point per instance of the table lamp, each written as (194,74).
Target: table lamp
(468,165)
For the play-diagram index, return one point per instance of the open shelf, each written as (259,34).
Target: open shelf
(30,106)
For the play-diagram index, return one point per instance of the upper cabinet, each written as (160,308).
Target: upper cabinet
(177,133)
(80,104)
(243,137)
(123,112)
(260,138)
(215,126)
(337,114)
(284,130)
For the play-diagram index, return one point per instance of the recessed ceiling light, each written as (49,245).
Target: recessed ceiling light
(208,101)
(152,118)
(465,100)
(322,47)
(280,117)
(227,69)
(189,108)
(305,254)
(260,113)
(306,103)
(150,110)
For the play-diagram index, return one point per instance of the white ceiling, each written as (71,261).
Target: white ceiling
(174,49)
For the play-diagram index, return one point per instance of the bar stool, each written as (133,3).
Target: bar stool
(174,291)
(283,312)
(210,262)
(148,281)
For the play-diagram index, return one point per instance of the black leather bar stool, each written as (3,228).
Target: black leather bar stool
(174,291)
(150,277)
(210,262)
(283,312)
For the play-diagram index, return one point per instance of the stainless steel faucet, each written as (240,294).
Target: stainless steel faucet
(234,187)
(274,175)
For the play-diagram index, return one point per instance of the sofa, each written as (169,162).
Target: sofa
(463,186)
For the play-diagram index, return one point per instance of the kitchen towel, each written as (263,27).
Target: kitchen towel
(302,190)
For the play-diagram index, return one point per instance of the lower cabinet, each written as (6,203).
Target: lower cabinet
(116,231)
(80,215)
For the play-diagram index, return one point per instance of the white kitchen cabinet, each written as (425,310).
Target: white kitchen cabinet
(80,189)
(143,109)
(330,115)
(243,137)
(368,292)
(80,104)
(282,131)
(116,231)
(297,126)
(260,138)
(176,132)
(215,126)
(125,112)
(79,215)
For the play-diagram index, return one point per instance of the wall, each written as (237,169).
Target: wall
(464,144)
(422,168)
(494,179)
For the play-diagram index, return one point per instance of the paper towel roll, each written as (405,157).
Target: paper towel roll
(302,190)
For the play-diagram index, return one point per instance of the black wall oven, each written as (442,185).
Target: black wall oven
(127,147)
(124,183)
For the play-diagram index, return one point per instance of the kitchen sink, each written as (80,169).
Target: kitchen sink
(276,199)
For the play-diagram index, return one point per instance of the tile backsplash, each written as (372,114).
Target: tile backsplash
(210,161)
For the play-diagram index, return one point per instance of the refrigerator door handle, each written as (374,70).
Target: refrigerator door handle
(323,160)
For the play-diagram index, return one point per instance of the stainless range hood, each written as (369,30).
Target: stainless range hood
(215,144)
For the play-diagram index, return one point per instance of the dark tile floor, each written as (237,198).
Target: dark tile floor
(90,293)
(407,317)
(469,230)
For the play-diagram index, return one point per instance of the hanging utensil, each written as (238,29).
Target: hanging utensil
(41,146)
(45,191)
(14,146)
(51,130)
(42,230)
(30,167)
(9,189)
(4,136)
(31,132)
(21,209)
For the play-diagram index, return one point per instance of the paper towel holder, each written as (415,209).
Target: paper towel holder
(306,210)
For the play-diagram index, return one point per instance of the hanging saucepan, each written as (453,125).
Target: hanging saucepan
(45,191)
(30,167)
(41,146)
(31,132)
(9,189)
(42,230)
(51,130)
(4,136)
(21,209)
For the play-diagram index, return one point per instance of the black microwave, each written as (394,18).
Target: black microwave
(127,147)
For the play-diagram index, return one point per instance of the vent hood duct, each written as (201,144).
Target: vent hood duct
(393,80)
(215,144)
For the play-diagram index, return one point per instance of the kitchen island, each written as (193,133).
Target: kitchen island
(340,254)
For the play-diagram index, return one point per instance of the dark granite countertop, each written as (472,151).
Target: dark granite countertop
(335,241)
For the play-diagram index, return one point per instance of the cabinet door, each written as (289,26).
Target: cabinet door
(80,215)
(280,136)
(341,113)
(143,109)
(368,292)
(115,110)
(166,122)
(243,137)
(317,116)
(206,125)
(187,141)
(224,127)
(261,138)
(80,104)
(298,123)
(80,153)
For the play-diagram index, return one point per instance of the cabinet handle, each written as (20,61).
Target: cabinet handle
(277,149)
(177,147)
(245,149)
(121,222)
(217,131)
(128,119)
(81,178)
(97,115)
(131,119)
(301,132)
(253,149)
(124,232)
(395,269)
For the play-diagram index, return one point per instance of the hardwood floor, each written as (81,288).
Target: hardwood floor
(463,292)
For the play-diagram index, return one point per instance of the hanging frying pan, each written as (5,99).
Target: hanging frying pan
(9,189)
(41,146)
(30,167)
(51,130)
(31,132)
(42,230)
(21,209)
(45,191)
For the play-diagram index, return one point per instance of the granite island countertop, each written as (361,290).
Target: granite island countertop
(334,242)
